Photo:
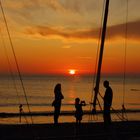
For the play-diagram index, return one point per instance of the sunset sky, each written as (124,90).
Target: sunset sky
(54,36)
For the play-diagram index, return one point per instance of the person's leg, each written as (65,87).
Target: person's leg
(105,116)
(56,114)
(109,117)
(76,120)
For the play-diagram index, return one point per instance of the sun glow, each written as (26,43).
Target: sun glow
(72,71)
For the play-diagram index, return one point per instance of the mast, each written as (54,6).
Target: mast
(101,54)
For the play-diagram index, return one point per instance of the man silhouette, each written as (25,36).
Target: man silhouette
(107,103)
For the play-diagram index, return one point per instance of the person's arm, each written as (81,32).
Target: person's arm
(83,103)
(62,97)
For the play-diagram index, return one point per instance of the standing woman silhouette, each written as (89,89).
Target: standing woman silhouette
(57,102)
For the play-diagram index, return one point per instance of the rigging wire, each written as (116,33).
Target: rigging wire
(17,66)
(121,117)
(11,72)
(115,111)
(125,54)
(21,111)
(125,49)
(97,54)
(9,67)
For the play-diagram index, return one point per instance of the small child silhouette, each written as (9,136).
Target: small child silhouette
(79,110)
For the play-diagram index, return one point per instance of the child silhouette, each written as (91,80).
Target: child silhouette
(79,110)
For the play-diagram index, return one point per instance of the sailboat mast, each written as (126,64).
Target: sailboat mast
(101,53)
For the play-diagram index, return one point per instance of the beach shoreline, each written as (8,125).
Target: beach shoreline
(63,113)
(65,117)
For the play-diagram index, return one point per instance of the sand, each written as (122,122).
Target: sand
(128,130)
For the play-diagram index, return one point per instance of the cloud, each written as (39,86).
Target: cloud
(54,4)
(48,31)
(16,4)
(113,32)
(133,30)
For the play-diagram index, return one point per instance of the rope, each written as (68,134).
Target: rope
(21,112)
(11,43)
(117,113)
(124,75)
(97,54)
(9,66)
(125,53)
(125,48)
(12,75)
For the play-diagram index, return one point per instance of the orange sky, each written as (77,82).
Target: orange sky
(53,36)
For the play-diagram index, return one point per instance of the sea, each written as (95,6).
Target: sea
(38,92)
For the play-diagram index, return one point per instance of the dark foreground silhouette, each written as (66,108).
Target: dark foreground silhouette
(107,103)
(57,102)
(69,131)
(79,110)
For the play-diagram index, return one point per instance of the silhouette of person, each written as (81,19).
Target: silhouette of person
(57,102)
(79,110)
(107,103)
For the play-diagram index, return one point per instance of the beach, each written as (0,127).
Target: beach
(63,131)
(77,46)
(40,96)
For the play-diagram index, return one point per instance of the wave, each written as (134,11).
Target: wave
(134,89)
(50,104)
(63,113)
(34,104)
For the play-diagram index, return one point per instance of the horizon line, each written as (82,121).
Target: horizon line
(75,75)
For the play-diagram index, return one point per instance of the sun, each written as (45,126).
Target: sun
(72,71)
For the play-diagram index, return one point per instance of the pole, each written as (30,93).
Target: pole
(101,54)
